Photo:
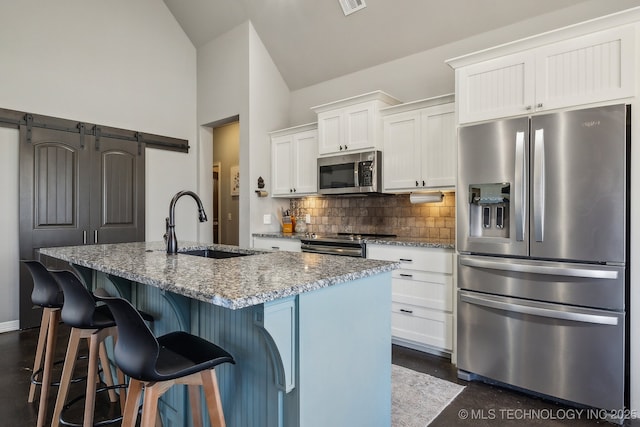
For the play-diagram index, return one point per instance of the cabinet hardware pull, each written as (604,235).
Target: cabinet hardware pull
(341,148)
(345,147)
(84,237)
(95,236)
(406,260)
(528,108)
(406,311)
(275,247)
(423,184)
(294,190)
(406,275)
(291,190)
(417,183)
(539,105)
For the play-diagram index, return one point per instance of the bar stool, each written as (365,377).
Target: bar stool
(47,295)
(86,321)
(156,364)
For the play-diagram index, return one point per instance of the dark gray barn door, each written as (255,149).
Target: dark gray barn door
(75,190)
(117,191)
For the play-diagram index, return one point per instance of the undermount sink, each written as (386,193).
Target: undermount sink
(211,253)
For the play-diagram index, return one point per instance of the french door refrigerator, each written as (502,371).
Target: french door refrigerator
(542,208)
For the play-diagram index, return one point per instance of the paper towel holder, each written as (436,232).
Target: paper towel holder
(426,197)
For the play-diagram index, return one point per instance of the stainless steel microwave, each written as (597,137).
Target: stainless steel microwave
(350,173)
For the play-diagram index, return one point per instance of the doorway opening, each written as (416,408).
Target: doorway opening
(226,191)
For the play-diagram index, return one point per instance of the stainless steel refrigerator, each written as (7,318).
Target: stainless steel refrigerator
(542,222)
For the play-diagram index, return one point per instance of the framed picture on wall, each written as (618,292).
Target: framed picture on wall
(235,180)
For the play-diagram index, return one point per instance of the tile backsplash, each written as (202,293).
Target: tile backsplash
(380,214)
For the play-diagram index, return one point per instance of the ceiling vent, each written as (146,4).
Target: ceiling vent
(350,6)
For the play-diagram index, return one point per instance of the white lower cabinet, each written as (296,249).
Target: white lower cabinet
(422,296)
(276,243)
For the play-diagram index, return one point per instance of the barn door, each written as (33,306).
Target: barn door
(54,200)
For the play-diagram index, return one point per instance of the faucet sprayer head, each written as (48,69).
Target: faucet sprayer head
(202,216)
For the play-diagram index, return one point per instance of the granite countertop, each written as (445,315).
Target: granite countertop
(231,282)
(394,241)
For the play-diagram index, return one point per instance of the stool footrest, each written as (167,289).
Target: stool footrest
(82,397)
(34,376)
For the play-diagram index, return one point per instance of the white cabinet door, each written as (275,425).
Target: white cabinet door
(402,151)
(420,149)
(305,163)
(592,68)
(281,160)
(331,134)
(360,127)
(439,153)
(500,87)
(294,157)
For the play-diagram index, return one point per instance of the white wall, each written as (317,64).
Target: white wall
(269,108)
(9,218)
(120,63)
(236,76)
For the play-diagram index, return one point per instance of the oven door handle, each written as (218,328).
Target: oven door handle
(540,269)
(487,301)
(331,250)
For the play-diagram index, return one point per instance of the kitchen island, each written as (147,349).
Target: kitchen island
(310,333)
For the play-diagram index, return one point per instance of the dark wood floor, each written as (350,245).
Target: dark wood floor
(478,405)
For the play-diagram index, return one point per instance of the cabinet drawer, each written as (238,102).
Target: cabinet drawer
(427,290)
(422,326)
(427,259)
(290,245)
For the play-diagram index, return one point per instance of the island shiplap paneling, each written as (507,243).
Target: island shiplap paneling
(249,392)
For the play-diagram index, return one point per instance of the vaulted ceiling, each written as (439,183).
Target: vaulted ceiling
(312,41)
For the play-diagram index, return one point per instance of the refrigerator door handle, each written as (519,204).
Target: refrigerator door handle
(538,185)
(586,273)
(538,311)
(520,186)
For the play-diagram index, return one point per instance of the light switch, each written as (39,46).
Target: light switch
(266,219)
(307,218)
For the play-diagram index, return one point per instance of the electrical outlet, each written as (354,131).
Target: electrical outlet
(266,219)
(229,216)
(307,218)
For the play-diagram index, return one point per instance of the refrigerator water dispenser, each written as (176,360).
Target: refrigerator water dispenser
(489,210)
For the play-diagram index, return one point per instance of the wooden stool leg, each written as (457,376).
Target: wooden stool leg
(120,376)
(67,371)
(131,407)
(106,370)
(194,399)
(152,394)
(92,373)
(53,317)
(212,395)
(42,338)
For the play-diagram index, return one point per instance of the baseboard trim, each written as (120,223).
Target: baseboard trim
(12,325)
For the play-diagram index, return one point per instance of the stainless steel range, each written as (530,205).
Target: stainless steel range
(345,244)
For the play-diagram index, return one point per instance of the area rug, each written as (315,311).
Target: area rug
(417,398)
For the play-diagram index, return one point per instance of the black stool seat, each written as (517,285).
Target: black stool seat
(95,323)
(171,357)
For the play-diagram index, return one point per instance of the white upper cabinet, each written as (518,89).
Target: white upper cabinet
(419,145)
(351,124)
(597,67)
(294,153)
